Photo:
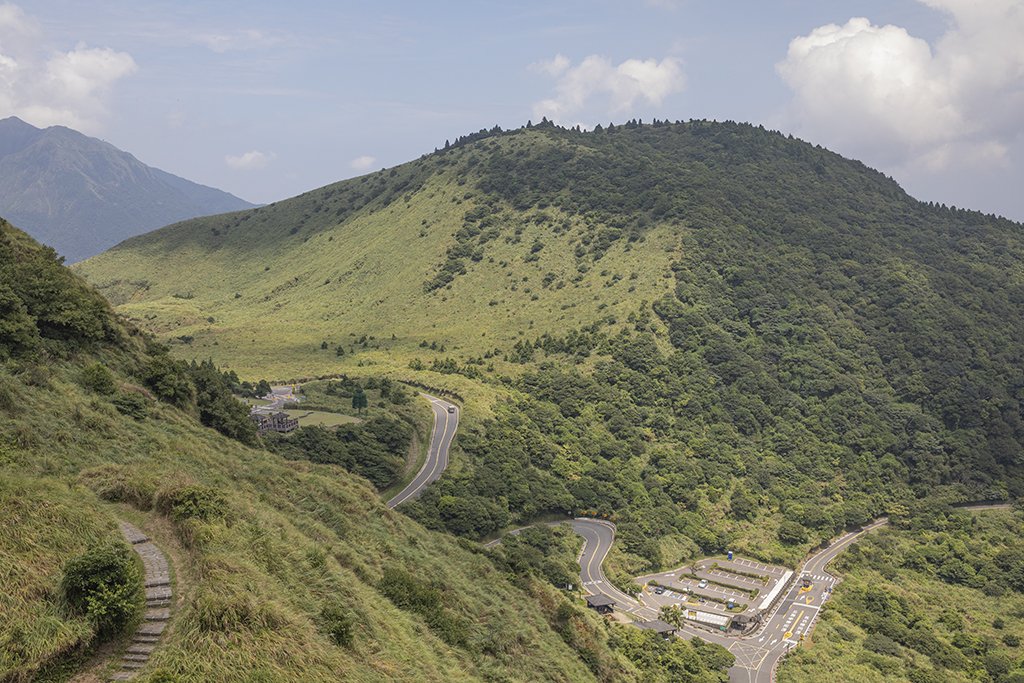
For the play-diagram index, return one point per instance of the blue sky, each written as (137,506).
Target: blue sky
(268,99)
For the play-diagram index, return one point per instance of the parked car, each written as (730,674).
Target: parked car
(658,590)
(703,583)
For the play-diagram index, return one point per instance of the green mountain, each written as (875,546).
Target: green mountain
(719,336)
(81,195)
(283,570)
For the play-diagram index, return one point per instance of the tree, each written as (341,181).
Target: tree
(791,533)
(672,614)
(359,400)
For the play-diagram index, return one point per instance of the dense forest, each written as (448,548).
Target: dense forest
(831,347)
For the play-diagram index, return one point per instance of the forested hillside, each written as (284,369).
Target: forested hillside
(718,335)
(939,597)
(283,570)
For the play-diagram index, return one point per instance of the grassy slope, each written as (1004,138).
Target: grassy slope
(825,228)
(376,262)
(290,538)
(297,535)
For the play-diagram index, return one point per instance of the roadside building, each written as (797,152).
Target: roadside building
(601,603)
(273,422)
(665,630)
(718,621)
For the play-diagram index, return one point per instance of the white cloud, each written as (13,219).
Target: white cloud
(68,88)
(250,161)
(242,39)
(622,85)
(363,163)
(881,92)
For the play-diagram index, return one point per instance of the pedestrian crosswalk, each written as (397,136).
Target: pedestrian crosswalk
(818,577)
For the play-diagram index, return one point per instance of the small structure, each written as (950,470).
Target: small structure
(665,630)
(719,621)
(273,422)
(602,603)
(743,621)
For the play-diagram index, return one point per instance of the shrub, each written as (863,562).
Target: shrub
(104,584)
(882,644)
(412,594)
(131,404)
(791,533)
(192,502)
(337,623)
(98,378)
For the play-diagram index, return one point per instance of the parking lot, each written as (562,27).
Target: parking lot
(736,589)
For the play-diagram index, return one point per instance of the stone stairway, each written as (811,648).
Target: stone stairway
(157,581)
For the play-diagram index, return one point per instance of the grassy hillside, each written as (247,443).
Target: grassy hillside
(721,336)
(351,261)
(938,598)
(284,570)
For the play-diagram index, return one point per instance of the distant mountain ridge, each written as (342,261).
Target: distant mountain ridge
(81,195)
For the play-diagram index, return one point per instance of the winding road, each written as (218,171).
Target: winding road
(446,422)
(758,653)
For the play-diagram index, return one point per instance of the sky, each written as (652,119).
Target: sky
(270,99)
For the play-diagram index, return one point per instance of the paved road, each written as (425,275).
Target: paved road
(757,654)
(597,541)
(445,425)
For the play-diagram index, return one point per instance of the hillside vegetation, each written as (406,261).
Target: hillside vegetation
(284,570)
(717,335)
(939,597)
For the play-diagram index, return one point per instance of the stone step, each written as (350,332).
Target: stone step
(133,665)
(145,639)
(132,534)
(136,657)
(122,676)
(158,593)
(157,581)
(158,614)
(141,648)
(151,628)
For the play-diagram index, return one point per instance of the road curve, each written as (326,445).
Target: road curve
(598,536)
(445,425)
